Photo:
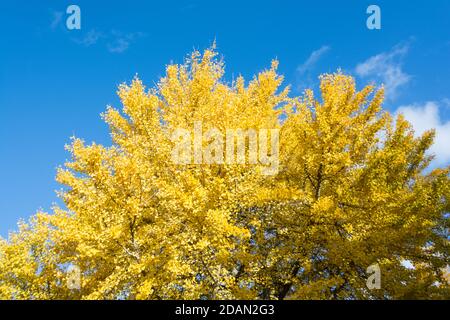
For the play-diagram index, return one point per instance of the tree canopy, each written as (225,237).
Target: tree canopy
(353,189)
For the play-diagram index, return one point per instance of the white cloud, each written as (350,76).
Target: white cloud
(119,45)
(56,19)
(91,38)
(121,42)
(312,59)
(115,41)
(426,117)
(387,68)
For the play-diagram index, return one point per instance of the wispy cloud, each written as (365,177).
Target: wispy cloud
(306,77)
(90,38)
(425,117)
(312,59)
(189,6)
(114,41)
(446,102)
(119,45)
(56,19)
(120,42)
(387,68)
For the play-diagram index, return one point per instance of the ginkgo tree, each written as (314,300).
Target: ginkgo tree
(353,189)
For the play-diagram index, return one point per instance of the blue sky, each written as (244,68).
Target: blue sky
(55,82)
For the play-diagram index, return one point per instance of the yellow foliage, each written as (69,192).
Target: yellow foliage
(351,191)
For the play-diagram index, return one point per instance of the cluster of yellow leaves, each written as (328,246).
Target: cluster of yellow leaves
(351,191)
